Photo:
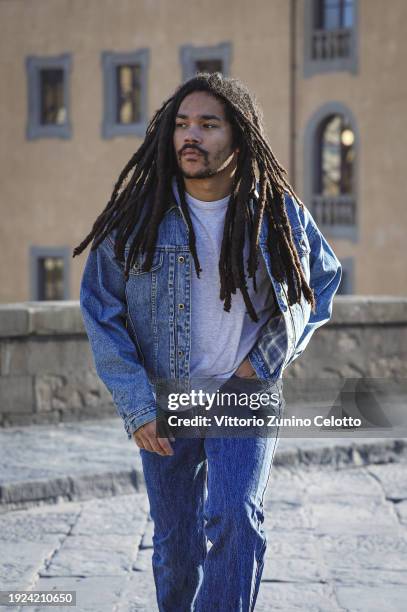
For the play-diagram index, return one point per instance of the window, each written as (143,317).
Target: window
(214,65)
(128,83)
(125,93)
(334,14)
(49,273)
(336,154)
(330,170)
(330,36)
(205,59)
(48,97)
(346,285)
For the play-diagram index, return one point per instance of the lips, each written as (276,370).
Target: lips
(191,153)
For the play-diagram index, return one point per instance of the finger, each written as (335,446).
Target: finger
(165,446)
(151,444)
(138,441)
(159,445)
(147,445)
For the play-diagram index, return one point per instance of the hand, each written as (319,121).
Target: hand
(146,437)
(245,370)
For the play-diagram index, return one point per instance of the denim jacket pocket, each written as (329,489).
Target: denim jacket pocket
(137,267)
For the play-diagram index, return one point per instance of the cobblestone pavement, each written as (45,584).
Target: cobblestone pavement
(337,540)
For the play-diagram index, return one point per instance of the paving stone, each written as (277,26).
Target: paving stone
(139,594)
(373,598)
(39,524)
(65,449)
(393,479)
(294,557)
(124,515)
(367,517)
(282,516)
(20,564)
(296,596)
(285,485)
(101,555)
(376,552)
(401,510)
(92,594)
(370,577)
(295,570)
(292,543)
(330,485)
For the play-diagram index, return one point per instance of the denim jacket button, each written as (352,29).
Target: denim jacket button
(180,353)
(180,306)
(181,259)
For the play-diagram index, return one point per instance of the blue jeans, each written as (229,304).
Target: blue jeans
(234,472)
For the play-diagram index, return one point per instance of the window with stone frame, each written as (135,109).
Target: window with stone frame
(49,273)
(48,96)
(125,93)
(215,58)
(330,36)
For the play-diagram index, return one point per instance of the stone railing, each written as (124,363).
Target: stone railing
(47,373)
(331,44)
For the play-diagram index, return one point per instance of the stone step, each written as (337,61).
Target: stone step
(79,461)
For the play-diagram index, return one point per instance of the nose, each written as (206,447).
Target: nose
(192,134)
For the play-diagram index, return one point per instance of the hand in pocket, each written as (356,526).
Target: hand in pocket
(245,370)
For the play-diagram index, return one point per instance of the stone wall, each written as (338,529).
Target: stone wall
(363,347)
(47,373)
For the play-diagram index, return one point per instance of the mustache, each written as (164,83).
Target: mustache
(192,147)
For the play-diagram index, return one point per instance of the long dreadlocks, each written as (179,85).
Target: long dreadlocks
(154,165)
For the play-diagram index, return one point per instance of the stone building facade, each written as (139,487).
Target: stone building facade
(80,80)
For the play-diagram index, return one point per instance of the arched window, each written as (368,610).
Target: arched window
(336,154)
(332,142)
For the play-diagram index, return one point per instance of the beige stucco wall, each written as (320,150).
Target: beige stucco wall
(52,190)
(377,97)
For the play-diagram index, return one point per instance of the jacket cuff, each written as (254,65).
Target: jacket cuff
(137,419)
(258,364)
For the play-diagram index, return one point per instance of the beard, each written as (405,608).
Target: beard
(211,167)
(199,174)
(207,171)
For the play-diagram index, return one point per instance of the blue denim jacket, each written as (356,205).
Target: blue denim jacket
(141,330)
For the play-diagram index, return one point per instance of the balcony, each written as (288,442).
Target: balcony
(331,44)
(335,215)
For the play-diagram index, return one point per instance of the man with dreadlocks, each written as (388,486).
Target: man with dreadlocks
(202,202)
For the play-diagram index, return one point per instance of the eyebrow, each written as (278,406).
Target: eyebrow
(205,117)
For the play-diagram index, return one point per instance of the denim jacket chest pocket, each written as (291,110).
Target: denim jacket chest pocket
(137,268)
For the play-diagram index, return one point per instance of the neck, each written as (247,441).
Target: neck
(212,188)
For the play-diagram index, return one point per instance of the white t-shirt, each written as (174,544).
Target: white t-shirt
(221,340)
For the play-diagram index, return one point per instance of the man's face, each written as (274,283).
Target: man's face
(203,137)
